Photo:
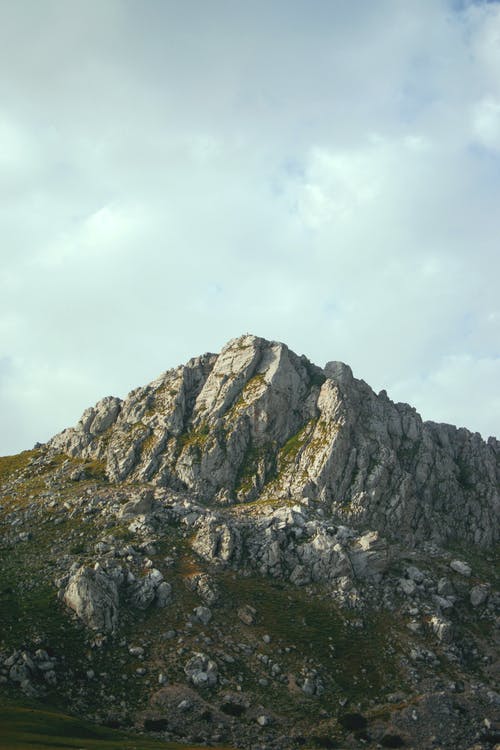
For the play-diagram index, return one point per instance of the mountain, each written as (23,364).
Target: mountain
(256,550)
(257,421)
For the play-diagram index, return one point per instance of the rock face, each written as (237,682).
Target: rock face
(258,421)
(93,596)
(96,594)
(287,544)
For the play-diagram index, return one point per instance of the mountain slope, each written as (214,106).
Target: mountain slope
(255,550)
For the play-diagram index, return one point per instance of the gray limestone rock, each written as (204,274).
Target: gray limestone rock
(461,567)
(93,595)
(369,555)
(201,671)
(202,614)
(217,541)
(257,420)
(163,594)
(445,587)
(408,586)
(143,592)
(441,627)
(19,672)
(140,505)
(205,587)
(247,614)
(479,594)
(308,687)
(414,574)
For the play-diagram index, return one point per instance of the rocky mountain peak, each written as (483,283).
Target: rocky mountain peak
(257,421)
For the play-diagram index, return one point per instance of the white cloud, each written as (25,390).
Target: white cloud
(487,122)
(176,175)
(340,186)
(461,390)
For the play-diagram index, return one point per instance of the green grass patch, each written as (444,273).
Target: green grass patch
(250,390)
(197,437)
(258,465)
(294,444)
(12,464)
(357,662)
(26,728)
(95,470)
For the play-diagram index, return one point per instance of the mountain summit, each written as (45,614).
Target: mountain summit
(258,421)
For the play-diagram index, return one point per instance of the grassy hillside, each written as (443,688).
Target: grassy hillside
(26,727)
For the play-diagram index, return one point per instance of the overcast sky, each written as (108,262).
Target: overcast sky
(320,172)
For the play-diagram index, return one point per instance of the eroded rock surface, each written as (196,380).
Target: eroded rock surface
(93,595)
(96,594)
(259,421)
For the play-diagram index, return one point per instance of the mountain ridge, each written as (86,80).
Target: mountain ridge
(259,421)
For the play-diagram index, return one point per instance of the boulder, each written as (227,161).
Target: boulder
(163,594)
(461,567)
(217,541)
(247,614)
(137,506)
(445,587)
(441,628)
(202,615)
(205,587)
(408,586)
(93,596)
(143,592)
(479,594)
(414,574)
(369,555)
(201,671)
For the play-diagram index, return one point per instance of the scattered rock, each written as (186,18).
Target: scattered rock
(201,670)
(202,614)
(408,586)
(139,505)
(479,595)
(461,567)
(263,720)
(441,627)
(247,614)
(415,574)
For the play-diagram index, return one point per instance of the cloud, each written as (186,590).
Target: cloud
(173,176)
(486,120)
(463,390)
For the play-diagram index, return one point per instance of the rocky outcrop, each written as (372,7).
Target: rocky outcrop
(96,594)
(258,421)
(93,596)
(290,544)
(33,672)
(201,671)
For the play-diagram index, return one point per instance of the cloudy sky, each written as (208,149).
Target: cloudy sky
(177,173)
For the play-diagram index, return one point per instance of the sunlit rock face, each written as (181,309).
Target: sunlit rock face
(260,422)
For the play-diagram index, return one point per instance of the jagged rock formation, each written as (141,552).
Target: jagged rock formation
(287,543)
(94,593)
(258,421)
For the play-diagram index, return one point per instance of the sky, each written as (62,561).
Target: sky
(324,173)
